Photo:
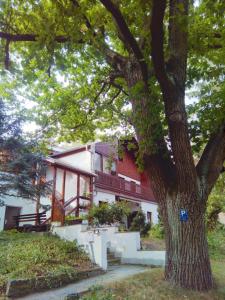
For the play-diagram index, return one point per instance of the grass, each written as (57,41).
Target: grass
(151,285)
(27,255)
(152,243)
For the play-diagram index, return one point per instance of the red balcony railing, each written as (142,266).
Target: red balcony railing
(122,187)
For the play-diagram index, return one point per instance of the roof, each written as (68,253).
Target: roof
(51,161)
(70,151)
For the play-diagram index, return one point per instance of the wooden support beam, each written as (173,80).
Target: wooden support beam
(53,193)
(63,194)
(78,195)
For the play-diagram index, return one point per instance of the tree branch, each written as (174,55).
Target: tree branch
(127,35)
(172,77)
(157,35)
(211,163)
(26,37)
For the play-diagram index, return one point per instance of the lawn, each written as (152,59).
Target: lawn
(151,285)
(27,255)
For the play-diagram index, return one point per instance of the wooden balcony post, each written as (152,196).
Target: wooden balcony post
(91,191)
(63,194)
(78,195)
(53,194)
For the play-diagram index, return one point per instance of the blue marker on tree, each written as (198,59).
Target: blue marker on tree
(183,215)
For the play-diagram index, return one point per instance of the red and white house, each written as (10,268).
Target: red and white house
(94,174)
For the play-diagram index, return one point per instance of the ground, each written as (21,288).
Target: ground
(153,244)
(27,255)
(150,285)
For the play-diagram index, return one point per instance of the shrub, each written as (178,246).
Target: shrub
(157,231)
(108,213)
(102,214)
(214,207)
(145,229)
(216,242)
(138,224)
(70,219)
(119,210)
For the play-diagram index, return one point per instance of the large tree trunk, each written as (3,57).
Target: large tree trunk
(187,260)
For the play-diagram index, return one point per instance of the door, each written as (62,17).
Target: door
(10,212)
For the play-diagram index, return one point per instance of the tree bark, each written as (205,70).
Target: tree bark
(187,260)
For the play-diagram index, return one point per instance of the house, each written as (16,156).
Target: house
(11,206)
(94,173)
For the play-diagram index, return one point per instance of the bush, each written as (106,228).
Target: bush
(157,231)
(74,220)
(101,214)
(214,207)
(216,242)
(108,213)
(138,224)
(119,210)
(144,231)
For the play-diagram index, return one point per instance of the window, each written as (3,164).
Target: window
(149,216)
(109,166)
(84,186)
(106,167)
(98,162)
(104,164)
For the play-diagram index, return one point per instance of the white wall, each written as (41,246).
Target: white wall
(101,196)
(80,160)
(27,207)
(151,207)
(95,242)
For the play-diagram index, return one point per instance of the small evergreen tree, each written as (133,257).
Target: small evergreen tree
(22,168)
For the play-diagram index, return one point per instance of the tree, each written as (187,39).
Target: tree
(22,168)
(145,54)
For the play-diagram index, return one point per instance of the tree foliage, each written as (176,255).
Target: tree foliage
(22,168)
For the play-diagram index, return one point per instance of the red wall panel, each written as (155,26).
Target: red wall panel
(127,167)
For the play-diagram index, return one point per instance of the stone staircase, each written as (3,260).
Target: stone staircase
(112,259)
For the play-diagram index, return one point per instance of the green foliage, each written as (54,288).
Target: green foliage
(157,231)
(216,203)
(71,84)
(216,242)
(139,224)
(69,220)
(97,293)
(119,210)
(101,214)
(21,162)
(109,213)
(22,256)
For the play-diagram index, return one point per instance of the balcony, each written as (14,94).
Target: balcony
(122,187)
